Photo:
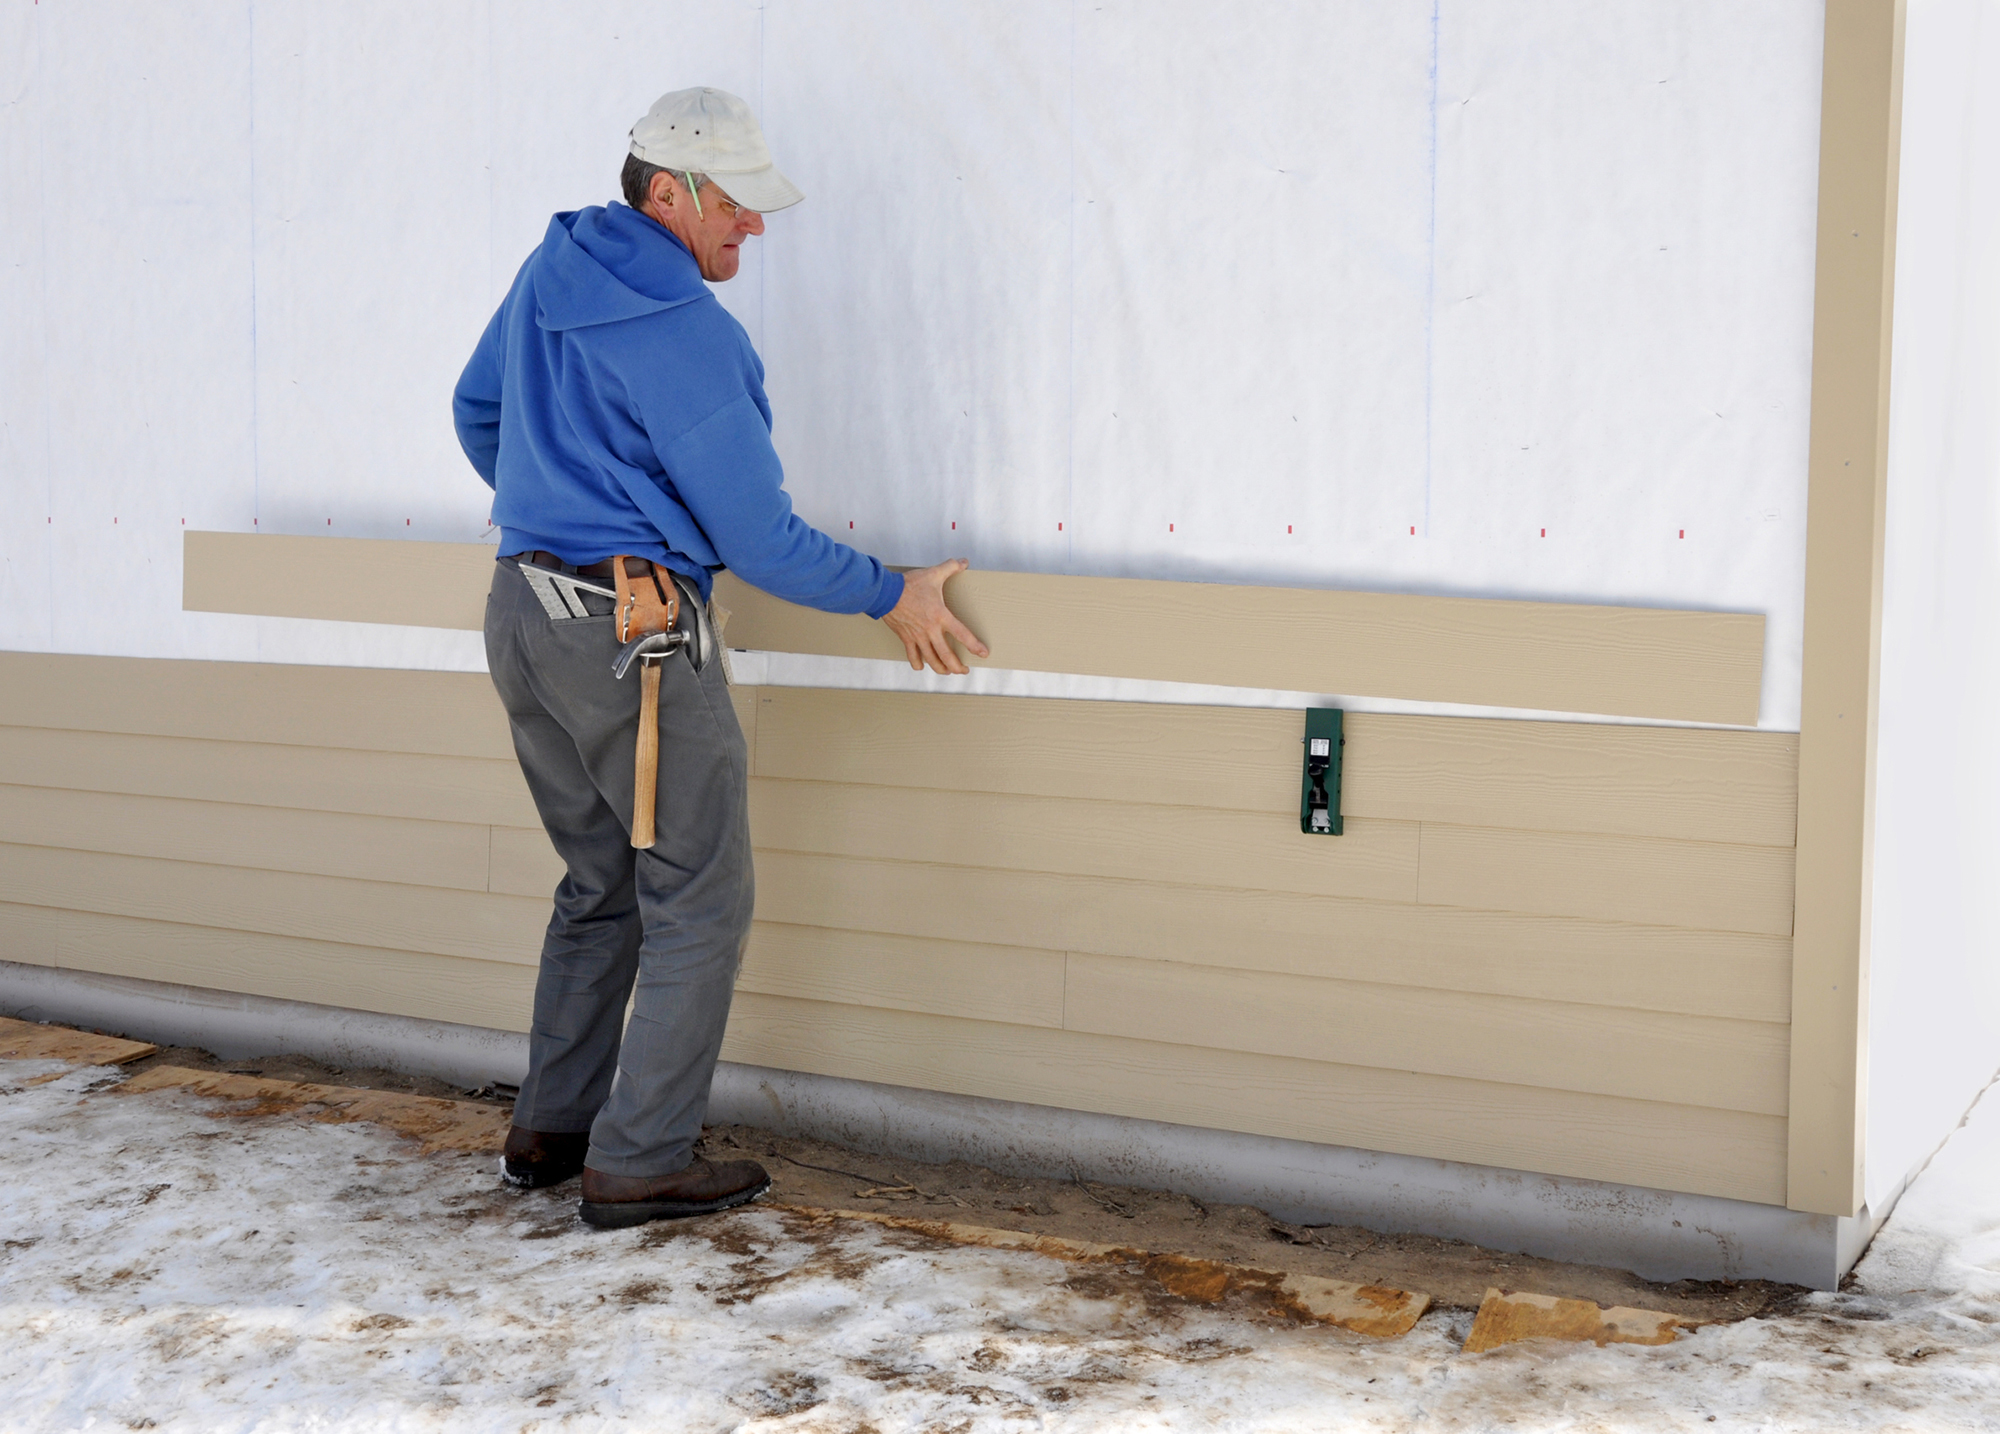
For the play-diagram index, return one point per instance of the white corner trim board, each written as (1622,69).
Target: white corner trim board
(1657,1234)
(1655,663)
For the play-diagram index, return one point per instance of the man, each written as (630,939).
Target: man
(619,415)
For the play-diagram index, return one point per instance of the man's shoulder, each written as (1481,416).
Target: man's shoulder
(699,334)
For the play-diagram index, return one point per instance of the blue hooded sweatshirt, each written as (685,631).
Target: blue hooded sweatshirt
(614,406)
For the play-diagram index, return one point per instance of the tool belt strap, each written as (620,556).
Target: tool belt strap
(648,600)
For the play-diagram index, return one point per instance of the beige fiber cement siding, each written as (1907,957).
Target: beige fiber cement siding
(1860,140)
(1499,964)
(1639,662)
(1640,1142)
(1739,787)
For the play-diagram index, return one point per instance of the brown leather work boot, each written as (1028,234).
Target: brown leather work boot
(613,1201)
(533,1158)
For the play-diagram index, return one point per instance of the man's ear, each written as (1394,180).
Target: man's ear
(660,189)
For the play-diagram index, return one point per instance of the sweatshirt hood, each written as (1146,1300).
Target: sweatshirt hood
(608,263)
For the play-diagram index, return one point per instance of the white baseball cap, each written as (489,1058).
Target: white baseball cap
(712,132)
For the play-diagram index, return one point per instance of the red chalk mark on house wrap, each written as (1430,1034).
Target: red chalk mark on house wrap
(850,522)
(1413,530)
(1288,527)
(1170,527)
(1545,532)
(1059,527)
(1684,532)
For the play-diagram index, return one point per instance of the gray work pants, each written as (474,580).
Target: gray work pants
(672,918)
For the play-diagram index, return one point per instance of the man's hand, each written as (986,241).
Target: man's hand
(926,626)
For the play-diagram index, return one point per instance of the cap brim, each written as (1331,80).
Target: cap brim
(764,190)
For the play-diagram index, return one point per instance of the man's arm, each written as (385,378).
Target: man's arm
(728,474)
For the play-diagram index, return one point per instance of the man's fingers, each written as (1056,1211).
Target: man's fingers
(946,659)
(954,628)
(910,651)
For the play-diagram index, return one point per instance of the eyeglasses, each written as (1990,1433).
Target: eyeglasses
(734,209)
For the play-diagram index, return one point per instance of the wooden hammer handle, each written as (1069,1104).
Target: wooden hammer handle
(646,762)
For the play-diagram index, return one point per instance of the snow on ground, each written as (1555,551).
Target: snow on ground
(167,1269)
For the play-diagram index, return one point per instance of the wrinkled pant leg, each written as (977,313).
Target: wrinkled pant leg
(695,892)
(692,890)
(591,947)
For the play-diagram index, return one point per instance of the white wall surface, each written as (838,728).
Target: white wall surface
(1934,996)
(1499,297)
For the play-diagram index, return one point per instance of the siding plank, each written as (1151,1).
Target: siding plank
(495,994)
(1551,776)
(418,853)
(1643,879)
(1570,657)
(903,973)
(1690,783)
(1593,1137)
(1687,1060)
(1132,839)
(1559,657)
(1548,958)
(523,863)
(476,925)
(450,714)
(478,790)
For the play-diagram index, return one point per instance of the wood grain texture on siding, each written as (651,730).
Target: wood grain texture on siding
(1638,879)
(1595,1137)
(1569,657)
(496,994)
(1556,1045)
(1636,662)
(377,709)
(1688,783)
(342,579)
(270,774)
(1738,975)
(1557,776)
(476,925)
(451,714)
(1175,845)
(523,863)
(904,973)
(399,849)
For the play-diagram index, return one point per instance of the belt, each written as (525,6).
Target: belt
(542,559)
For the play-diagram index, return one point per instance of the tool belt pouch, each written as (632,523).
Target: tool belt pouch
(648,601)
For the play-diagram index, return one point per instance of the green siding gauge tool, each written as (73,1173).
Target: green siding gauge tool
(1319,794)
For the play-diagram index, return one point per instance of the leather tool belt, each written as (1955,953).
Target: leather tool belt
(648,606)
(648,602)
(560,587)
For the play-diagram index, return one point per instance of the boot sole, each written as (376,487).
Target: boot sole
(536,1177)
(620,1214)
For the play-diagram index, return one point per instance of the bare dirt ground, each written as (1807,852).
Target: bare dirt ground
(813,1173)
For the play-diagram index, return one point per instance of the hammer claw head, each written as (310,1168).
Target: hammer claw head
(654,645)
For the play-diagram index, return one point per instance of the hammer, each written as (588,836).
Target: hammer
(649,652)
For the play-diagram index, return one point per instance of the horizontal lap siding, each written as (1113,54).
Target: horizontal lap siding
(1676,1147)
(1556,947)
(288,968)
(1544,776)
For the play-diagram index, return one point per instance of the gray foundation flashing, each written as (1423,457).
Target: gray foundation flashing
(1657,1234)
